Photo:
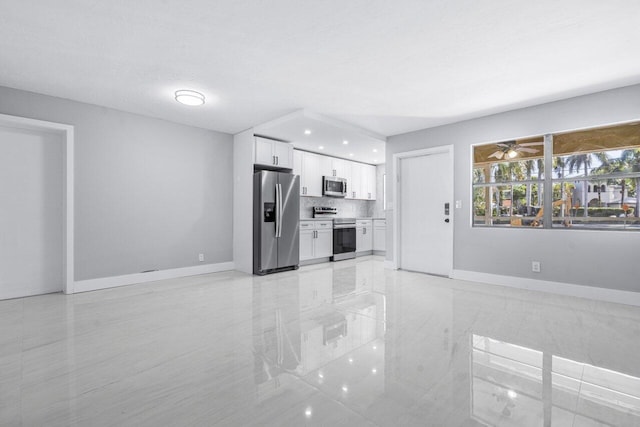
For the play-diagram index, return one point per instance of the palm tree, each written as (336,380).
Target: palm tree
(575,162)
(558,166)
(632,160)
(529,167)
(621,164)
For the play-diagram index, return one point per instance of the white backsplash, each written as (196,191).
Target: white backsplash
(346,208)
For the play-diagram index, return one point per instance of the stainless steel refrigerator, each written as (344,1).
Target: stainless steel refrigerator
(276,213)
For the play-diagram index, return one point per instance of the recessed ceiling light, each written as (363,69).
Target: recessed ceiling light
(321,148)
(189,97)
(375,150)
(345,142)
(351,154)
(375,160)
(307,132)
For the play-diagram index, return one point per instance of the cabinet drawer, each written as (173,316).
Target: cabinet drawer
(363,223)
(324,224)
(306,225)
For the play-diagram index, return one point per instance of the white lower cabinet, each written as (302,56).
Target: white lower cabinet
(316,239)
(379,234)
(364,235)
(324,243)
(307,243)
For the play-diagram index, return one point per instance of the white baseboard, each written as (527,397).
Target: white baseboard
(559,288)
(152,276)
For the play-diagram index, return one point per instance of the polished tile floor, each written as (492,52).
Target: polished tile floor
(347,343)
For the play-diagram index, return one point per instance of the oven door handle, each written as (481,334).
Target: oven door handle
(342,227)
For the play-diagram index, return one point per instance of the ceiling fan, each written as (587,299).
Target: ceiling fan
(510,149)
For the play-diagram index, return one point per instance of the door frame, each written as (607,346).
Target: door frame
(66,132)
(397,157)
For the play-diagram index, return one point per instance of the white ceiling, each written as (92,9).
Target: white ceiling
(310,131)
(386,66)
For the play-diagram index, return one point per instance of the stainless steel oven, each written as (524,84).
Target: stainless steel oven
(334,187)
(344,238)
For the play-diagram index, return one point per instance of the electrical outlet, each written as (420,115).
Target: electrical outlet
(458,204)
(535,266)
(201,257)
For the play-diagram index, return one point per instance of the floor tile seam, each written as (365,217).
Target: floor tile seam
(575,409)
(138,372)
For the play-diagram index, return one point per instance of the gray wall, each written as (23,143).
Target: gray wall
(149,194)
(606,259)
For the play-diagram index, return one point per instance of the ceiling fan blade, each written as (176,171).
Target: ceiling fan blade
(504,144)
(527,150)
(528,144)
(495,154)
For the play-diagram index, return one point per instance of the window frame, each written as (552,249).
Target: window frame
(548,181)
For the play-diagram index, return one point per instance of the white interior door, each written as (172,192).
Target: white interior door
(31,212)
(425,229)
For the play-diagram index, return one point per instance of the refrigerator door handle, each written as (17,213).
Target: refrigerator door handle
(279,208)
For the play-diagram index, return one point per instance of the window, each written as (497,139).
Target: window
(594,181)
(508,182)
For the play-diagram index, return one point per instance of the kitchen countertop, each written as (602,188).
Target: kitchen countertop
(316,219)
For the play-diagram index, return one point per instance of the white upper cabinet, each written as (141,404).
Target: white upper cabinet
(326,166)
(273,153)
(356,181)
(332,166)
(368,182)
(340,167)
(361,178)
(308,166)
(297,165)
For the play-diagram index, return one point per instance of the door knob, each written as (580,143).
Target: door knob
(446,220)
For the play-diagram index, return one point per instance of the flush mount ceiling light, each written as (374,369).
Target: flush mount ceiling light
(345,142)
(375,150)
(307,132)
(189,97)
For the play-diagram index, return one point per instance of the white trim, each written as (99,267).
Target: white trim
(558,288)
(152,276)
(389,264)
(68,202)
(446,149)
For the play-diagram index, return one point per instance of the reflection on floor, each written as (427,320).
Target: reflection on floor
(345,343)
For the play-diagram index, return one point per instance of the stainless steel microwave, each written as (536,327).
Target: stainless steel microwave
(334,187)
